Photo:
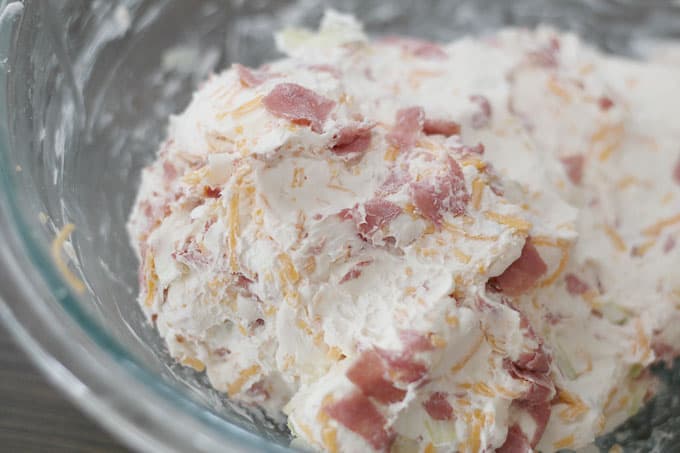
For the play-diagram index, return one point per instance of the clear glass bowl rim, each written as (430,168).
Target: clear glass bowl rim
(27,304)
(26,307)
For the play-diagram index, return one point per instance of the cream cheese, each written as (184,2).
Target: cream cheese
(420,247)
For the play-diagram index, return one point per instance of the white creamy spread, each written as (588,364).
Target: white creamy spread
(414,247)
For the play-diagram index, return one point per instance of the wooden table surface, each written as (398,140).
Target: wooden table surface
(34,417)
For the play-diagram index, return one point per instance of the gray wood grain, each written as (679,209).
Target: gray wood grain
(34,417)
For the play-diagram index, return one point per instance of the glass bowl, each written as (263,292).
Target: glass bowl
(86,88)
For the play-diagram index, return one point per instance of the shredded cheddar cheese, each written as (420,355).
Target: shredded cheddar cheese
(477,193)
(643,343)
(609,400)
(151,279)
(427,144)
(565,442)
(452,320)
(288,273)
(329,439)
(437,340)
(668,197)
(457,231)
(340,188)
(642,249)
(310,265)
(521,225)
(298,177)
(576,407)
(307,431)
(616,239)
(428,252)
(610,137)
(507,393)
(466,358)
(57,247)
(243,109)
(495,344)
(658,227)
(194,363)
(322,416)
(563,245)
(334,353)
(234,228)
(480,165)
(557,89)
(626,182)
(482,389)
(475,441)
(243,377)
(391,154)
(345,99)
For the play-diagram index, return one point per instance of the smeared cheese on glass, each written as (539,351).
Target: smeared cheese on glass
(413,247)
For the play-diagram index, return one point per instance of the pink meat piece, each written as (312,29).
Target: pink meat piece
(379,212)
(191,255)
(438,406)
(352,140)
(427,200)
(242,281)
(523,273)
(212,192)
(541,414)
(352,274)
(534,368)
(259,390)
(299,105)
(446,193)
(356,413)
(441,127)
(575,286)
(537,361)
(169,172)
(369,374)
(541,391)
(251,77)
(482,118)
(477,149)
(409,122)
(515,442)
(394,182)
(665,352)
(418,47)
(154,213)
(605,103)
(348,213)
(573,165)
(355,272)
(553,318)
(333,70)
(415,342)
(426,49)
(541,387)
(403,367)
(547,56)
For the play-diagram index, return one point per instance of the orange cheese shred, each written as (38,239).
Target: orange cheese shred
(242,378)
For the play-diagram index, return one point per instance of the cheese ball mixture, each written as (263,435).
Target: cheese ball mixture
(412,247)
